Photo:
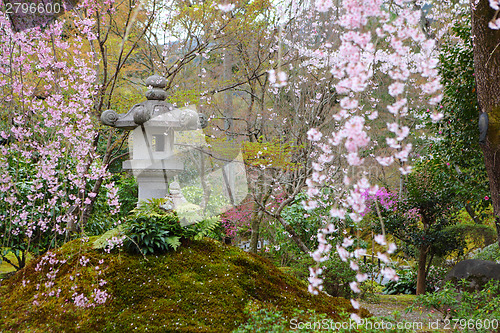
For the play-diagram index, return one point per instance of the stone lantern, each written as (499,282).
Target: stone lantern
(153,124)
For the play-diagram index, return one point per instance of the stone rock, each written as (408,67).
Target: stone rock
(476,272)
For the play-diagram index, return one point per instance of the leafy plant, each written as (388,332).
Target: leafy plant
(102,218)
(208,227)
(336,277)
(264,321)
(150,207)
(153,234)
(370,290)
(127,194)
(458,143)
(406,284)
(305,223)
(490,252)
(435,278)
(152,229)
(268,320)
(463,306)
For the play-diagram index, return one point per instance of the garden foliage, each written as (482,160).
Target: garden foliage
(152,229)
(462,307)
(205,286)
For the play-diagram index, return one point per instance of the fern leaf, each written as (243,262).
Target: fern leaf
(173,241)
(206,226)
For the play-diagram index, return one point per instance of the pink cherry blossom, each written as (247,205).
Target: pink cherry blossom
(343,253)
(314,135)
(392,248)
(226,7)
(389,273)
(385,161)
(354,287)
(323,5)
(361,277)
(380,239)
(436,116)
(396,89)
(347,242)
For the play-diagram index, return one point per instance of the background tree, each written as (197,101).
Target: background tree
(423,218)
(456,138)
(486,72)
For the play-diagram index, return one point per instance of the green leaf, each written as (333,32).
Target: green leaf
(174,242)
(206,226)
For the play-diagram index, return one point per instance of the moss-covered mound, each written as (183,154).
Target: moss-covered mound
(204,286)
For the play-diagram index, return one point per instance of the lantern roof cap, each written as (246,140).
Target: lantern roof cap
(140,113)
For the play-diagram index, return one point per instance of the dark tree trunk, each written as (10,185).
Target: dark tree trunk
(422,260)
(487,73)
(472,214)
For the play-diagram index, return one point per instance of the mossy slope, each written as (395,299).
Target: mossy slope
(203,287)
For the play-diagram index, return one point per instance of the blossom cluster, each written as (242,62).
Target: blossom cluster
(114,242)
(48,159)
(495,21)
(369,39)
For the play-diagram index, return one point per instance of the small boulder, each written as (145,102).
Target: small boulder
(477,272)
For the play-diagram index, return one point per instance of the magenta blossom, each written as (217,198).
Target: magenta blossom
(385,198)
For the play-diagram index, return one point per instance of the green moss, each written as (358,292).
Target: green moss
(205,286)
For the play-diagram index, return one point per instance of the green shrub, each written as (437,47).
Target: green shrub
(406,284)
(152,229)
(209,227)
(102,219)
(267,320)
(263,321)
(370,289)
(153,234)
(127,193)
(336,277)
(463,307)
(435,278)
(490,252)
(336,274)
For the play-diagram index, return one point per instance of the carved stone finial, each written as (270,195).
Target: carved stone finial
(109,117)
(156,81)
(157,84)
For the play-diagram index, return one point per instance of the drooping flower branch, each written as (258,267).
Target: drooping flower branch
(371,42)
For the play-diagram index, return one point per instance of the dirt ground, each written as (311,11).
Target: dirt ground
(394,306)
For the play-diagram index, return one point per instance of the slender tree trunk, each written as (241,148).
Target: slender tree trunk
(472,214)
(254,239)
(259,213)
(422,260)
(294,235)
(487,72)
(207,191)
